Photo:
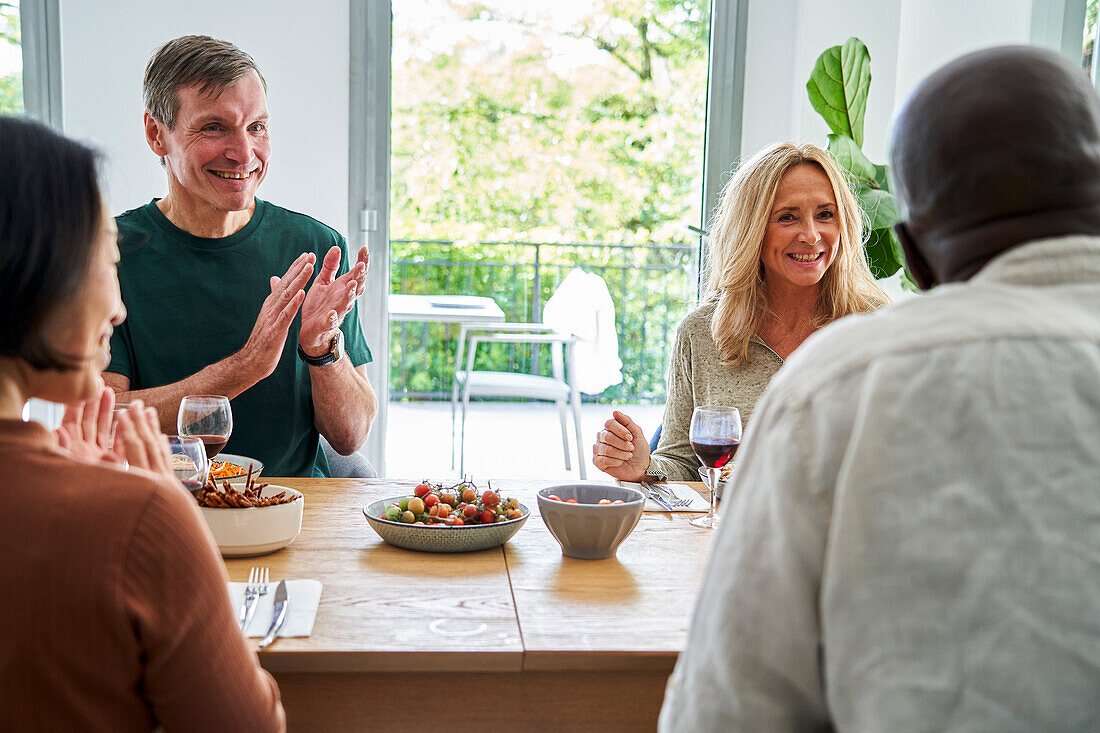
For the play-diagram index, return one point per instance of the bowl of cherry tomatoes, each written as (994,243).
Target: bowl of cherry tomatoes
(590,521)
(438,518)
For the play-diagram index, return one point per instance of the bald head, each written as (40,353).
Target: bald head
(996,148)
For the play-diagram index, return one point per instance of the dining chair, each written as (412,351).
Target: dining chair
(356,465)
(558,388)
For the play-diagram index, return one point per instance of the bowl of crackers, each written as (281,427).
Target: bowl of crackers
(253,519)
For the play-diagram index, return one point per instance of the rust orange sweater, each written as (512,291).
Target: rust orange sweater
(114,613)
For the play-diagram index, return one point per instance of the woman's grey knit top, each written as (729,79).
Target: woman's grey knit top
(698,376)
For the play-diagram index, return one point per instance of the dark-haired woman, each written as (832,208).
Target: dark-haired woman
(115,613)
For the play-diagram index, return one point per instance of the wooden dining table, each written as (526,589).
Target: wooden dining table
(517,637)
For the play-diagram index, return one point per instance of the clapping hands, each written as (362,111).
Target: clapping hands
(329,299)
(323,307)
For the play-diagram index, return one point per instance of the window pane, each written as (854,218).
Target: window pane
(1090,35)
(530,141)
(11,59)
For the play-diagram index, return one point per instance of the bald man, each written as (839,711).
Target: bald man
(913,538)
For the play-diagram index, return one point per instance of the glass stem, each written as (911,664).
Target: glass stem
(715,474)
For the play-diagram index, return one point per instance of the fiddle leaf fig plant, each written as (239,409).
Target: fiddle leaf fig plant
(838,88)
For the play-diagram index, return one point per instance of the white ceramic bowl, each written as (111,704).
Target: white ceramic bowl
(242,461)
(256,530)
(588,530)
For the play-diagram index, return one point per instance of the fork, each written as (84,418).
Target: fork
(258,579)
(671,498)
(652,493)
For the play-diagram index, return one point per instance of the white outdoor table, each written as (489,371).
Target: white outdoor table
(444,308)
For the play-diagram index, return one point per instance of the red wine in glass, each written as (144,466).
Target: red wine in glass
(212,443)
(189,462)
(208,418)
(715,434)
(715,452)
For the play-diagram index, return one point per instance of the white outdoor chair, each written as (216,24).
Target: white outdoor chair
(558,388)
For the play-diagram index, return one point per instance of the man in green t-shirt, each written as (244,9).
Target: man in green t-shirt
(208,311)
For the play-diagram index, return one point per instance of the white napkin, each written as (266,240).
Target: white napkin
(683,491)
(303,597)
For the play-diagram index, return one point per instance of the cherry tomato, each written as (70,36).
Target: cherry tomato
(408,517)
(469,495)
(416,505)
(514,514)
(422,490)
(431,500)
(604,501)
(490,498)
(618,501)
(443,509)
(469,511)
(554,497)
(571,501)
(487,517)
(458,521)
(434,510)
(448,497)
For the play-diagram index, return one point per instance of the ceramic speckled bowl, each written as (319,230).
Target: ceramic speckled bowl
(589,530)
(433,538)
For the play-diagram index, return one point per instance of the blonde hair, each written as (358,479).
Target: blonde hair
(734,276)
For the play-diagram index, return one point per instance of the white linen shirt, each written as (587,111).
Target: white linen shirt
(912,541)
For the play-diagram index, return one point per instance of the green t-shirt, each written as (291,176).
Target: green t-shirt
(192,301)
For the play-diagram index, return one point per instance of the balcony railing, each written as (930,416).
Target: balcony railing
(652,286)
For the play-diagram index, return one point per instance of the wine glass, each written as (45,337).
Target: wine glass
(117,408)
(189,461)
(208,418)
(715,435)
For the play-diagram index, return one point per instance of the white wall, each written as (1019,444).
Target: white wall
(935,31)
(785,39)
(301,48)
(907,40)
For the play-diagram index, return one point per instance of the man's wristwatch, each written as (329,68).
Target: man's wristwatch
(335,352)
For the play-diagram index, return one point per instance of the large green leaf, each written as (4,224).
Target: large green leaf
(881,255)
(852,159)
(838,87)
(882,177)
(880,207)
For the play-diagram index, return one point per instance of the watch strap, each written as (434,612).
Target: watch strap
(334,354)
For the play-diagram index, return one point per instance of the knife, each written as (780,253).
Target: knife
(278,615)
(651,492)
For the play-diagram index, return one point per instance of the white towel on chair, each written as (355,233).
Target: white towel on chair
(582,306)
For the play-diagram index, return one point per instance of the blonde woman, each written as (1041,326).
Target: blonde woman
(786,258)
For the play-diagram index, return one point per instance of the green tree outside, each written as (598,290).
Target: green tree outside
(11,85)
(524,126)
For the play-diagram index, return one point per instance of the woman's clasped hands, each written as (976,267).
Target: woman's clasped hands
(131,437)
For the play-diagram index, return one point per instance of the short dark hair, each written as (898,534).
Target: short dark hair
(189,60)
(50,213)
